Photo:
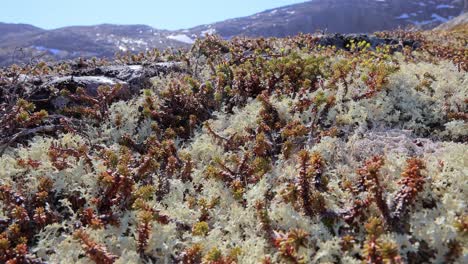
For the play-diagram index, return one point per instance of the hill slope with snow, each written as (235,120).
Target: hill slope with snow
(343,16)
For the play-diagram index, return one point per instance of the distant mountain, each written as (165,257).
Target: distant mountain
(7,29)
(19,43)
(82,41)
(343,16)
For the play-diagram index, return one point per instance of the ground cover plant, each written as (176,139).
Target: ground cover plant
(248,151)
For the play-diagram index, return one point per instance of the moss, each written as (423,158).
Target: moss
(200,229)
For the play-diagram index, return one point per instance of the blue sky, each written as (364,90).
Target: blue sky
(170,14)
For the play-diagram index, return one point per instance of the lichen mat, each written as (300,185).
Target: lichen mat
(249,151)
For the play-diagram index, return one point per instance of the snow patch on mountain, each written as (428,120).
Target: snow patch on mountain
(210,31)
(444,6)
(403,16)
(53,51)
(139,42)
(435,18)
(182,38)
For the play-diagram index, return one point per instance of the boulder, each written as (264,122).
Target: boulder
(132,78)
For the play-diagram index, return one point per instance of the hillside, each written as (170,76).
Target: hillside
(306,149)
(457,22)
(341,16)
(337,16)
(6,30)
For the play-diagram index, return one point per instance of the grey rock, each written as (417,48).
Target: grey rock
(132,78)
(89,83)
(135,76)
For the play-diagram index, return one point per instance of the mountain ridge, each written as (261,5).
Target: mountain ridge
(341,16)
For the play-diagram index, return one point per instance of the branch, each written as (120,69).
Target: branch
(27,132)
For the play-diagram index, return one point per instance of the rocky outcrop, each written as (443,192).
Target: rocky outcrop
(341,41)
(132,79)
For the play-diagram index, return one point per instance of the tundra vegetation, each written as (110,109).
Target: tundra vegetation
(252,151)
